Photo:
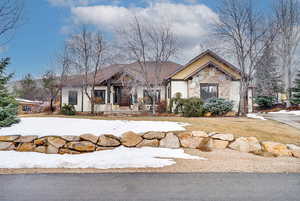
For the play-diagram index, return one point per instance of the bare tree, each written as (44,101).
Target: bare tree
(88,55)
(248,33)
(150,46)
(287,13)
(11,12)
(54,79)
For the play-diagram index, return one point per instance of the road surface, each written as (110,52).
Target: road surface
(289,119)
(150,187)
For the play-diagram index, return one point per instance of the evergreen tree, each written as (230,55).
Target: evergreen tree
(296,90)
(267,76)
(8,104)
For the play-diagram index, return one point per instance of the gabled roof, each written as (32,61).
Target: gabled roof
(212,54)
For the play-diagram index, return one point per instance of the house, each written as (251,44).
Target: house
(28,106)
(119,87)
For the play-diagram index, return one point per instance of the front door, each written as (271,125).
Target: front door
(122,96)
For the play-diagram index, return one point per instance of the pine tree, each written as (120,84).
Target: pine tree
(8,104)
(296,90)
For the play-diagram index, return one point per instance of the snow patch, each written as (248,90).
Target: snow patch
(121,157)
(295,112)
(43,126)
(255,116)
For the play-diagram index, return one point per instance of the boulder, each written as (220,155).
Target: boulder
(225,137)
(67,151)
(51,149)
(89,137)
(29,138)
(154,135)
(108,141)
(240,144)
(40,149)
(9,138)
(187,140)
(199,134)
(254,144)
(219,144)
(71,138)
(7,146)
(276,148)
(26,146)
(170,141)
(293,147)
(149,143)
(56,142)
(131,139)
(296,153)
(40,141)
(83,146)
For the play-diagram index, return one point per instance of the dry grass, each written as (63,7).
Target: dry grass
(263,130)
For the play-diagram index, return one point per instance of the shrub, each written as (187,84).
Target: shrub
(162,107)
(265,101)
(192,107)
(68,109)
(218,106)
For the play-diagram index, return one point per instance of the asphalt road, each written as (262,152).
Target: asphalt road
(150,187)
(289,119)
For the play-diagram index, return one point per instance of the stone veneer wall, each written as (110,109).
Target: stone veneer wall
(188,139)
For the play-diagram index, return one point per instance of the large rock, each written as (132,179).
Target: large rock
(104,148)
(254,144)
(154,135)
(51,149)
(7,146)
(67,151)
(276,148)
(219,144)
(56,142)
(108,141)
(131,139)
(29,138)
(199,134)
(240,144)
(40,149)
(9,138)
(89,137)
(225,137)
(187,140)
(40,141)
(170,141)
(71,138)
(83,146)
(149,143)
(27,146)
(296,153)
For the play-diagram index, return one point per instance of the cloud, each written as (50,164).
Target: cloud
(191,23)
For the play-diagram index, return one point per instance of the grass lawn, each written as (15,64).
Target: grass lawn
(263,130)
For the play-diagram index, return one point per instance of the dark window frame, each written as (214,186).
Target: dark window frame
(97,93)
(209,96)
(157,96)
(72,98)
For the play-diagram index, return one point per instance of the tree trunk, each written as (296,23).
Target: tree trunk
(92,107)
(51,105)
(243,105)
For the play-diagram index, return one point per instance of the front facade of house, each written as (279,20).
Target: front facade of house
(206,76)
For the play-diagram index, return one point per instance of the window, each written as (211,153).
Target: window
(100,96)
(73,96)
(208,91)
(169,92)
(148,98)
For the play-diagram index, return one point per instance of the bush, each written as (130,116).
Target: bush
(68,109)
(265,101)
(192,107)
(162,107)
(218,106)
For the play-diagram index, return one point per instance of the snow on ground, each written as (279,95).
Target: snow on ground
(44,126)
(295,112)
(255,116)
(121,157)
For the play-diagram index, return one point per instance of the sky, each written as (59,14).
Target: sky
(48,23)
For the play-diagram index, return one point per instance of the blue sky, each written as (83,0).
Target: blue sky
(47,23)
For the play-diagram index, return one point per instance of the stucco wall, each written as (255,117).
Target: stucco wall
(179,86)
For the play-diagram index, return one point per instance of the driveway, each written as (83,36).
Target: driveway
(289,119)
(150,187)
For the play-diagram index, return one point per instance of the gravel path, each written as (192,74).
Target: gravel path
(218,161)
